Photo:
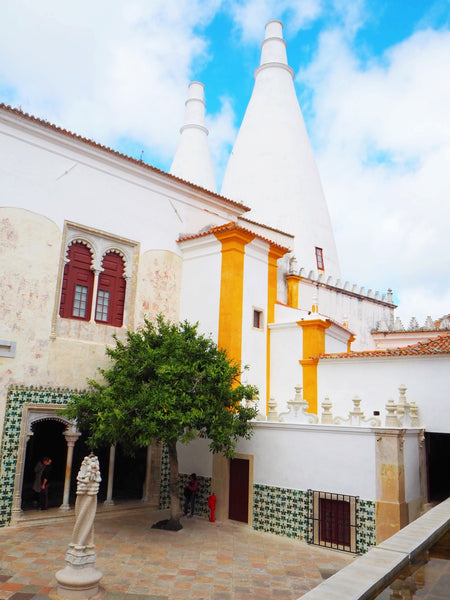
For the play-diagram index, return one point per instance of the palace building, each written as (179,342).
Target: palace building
(352,437)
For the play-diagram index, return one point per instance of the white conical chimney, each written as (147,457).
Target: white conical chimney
(192,161)
(272,167)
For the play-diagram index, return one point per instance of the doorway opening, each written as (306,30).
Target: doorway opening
(438,465)
(47,440)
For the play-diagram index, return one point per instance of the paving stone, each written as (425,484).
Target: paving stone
(204,561)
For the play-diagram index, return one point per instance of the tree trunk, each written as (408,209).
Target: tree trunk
(175,508)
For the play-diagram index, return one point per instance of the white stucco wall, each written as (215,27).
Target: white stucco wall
(326,458)
(376,380)
(200,287)
(66,179)
(254,341)
(286,345)
(195,457)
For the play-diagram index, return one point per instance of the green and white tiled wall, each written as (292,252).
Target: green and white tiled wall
(17,397)
(289,512)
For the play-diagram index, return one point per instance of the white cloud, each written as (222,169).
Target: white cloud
(383,135)
(251,17)
(105,69)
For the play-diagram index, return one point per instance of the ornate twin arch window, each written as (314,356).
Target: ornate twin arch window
(94,281)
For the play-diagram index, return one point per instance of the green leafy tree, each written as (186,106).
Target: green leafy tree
(166,383)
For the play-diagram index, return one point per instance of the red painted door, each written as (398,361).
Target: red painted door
(238,500)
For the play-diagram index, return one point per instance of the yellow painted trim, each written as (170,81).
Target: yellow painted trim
(292,290)
(232,290)
(349,343)
(275,253)
(313,345)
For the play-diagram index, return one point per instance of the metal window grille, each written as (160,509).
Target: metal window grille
(333,521)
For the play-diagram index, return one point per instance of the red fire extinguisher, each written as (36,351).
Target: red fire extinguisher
(212,507)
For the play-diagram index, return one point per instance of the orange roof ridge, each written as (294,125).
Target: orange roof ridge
(437,345)
(229,227)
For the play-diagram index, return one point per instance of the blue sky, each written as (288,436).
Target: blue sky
(373,81)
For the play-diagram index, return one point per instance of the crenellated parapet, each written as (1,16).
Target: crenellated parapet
(442,324)
(335,284)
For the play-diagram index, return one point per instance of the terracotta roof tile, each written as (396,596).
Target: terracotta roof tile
(229,227)
(17,112)
(438,345)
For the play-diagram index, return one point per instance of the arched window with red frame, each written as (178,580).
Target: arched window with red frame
(111,291)
(78,284)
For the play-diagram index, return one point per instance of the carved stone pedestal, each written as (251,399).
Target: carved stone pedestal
(79,579)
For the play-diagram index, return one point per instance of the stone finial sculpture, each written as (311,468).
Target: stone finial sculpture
(88,482)
(272,414)
(298,410)
(79,579)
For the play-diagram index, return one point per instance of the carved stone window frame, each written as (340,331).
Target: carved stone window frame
(100,243)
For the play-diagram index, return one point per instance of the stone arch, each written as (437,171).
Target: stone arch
(33,413)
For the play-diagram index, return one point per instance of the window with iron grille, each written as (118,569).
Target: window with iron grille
(334,521)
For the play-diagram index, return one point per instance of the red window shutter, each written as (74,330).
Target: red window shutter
(76,272)
(111,280)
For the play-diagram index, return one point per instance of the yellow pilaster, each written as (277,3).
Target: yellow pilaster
(349,343)
(292,290)
(232,290)
(313,345)
(275,253)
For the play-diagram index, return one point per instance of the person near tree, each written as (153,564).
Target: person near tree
(190,494)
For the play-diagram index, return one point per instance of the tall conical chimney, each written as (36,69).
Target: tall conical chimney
(192,161)
(272,167)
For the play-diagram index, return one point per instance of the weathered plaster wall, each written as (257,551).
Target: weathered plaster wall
(31,251)
(29,256)
(159,285)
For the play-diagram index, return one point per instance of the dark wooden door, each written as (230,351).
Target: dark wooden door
(335,522)
(238,500)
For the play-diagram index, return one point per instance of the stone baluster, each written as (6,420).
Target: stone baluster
(391,417)
(327,416)
(272,414)
(402,406)
(414,415)
(356,415)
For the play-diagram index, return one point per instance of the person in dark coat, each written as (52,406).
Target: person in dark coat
(190,494)
(41,483)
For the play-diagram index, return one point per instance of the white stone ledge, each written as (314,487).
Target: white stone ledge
(372,572)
